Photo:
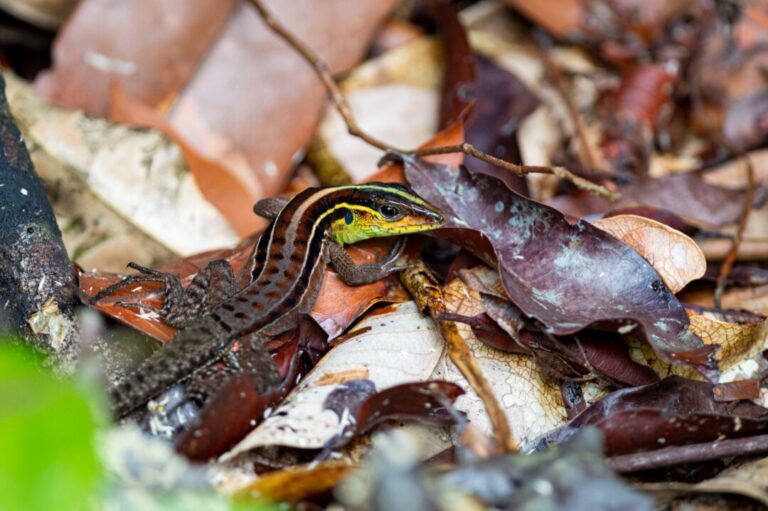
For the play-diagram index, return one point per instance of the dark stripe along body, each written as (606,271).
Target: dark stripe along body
(286,274)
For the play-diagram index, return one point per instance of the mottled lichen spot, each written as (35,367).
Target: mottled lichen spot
(548,297)
(572,257)
(499,207)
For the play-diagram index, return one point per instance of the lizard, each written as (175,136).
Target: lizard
(285,272)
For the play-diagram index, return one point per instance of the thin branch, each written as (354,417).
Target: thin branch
(695,453)
(420,283)
(340,102)
(588,159)
(749,197)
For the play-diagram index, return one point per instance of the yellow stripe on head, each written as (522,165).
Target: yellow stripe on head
(382,209)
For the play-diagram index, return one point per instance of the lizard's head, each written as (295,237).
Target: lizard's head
(376,210)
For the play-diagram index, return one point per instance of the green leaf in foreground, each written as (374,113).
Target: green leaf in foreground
(47,427)
(50,457)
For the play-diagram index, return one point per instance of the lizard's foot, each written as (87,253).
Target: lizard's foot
(181,306)
(389,263)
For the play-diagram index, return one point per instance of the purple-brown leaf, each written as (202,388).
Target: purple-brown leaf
(674,411)
(568,275)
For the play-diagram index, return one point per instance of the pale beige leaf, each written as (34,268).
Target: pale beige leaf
(401,84)
(123,194)
(676,258)
(532,403)
(398,346)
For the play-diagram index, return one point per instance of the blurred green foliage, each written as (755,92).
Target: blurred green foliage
(48,451)
(47,428)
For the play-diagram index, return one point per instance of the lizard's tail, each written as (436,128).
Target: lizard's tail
(191,349)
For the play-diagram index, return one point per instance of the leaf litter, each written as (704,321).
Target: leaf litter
(583,331)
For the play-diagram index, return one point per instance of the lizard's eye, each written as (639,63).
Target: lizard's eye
(390,212)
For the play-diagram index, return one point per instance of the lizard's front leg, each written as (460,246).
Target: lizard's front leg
(210,286)
(358,274)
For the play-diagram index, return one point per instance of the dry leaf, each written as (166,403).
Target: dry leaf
(394,347)
(676,258)
(752,299)
(123,194)
(739,355)
(533,404)
(231,88)
(299,482)
(401,84)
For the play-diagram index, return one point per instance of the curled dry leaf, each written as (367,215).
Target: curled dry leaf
(566,274)
(676,258)
(191,68)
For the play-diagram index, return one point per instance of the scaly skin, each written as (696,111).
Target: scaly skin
(286,273)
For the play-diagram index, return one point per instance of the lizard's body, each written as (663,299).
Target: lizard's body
(286,273)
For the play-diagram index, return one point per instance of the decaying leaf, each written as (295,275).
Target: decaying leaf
(566,274)
(674,411)
(676,258)
(531,402)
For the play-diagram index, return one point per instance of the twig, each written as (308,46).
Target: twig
(320,67)
(725,268)
(679,455)
(588,160)
(429,296)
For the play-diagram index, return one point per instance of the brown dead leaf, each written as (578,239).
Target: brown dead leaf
(676,258)
(231,88)
(733,173)
(752,299)
(562,18)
